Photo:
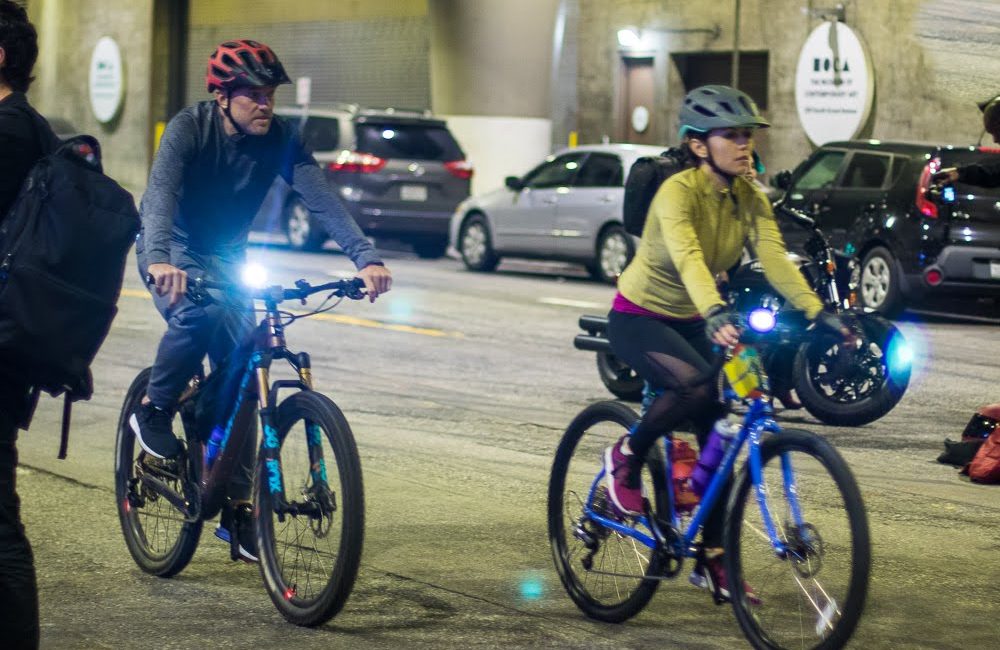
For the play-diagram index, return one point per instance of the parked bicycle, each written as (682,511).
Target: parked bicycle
(308,496)
(796,528)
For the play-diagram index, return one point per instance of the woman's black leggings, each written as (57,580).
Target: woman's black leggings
(670,355)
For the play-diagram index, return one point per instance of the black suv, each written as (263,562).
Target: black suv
(870,199)
(400,173)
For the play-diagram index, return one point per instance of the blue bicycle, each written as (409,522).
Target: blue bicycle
(796,528)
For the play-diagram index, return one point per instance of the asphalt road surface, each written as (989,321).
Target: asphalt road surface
(458,387)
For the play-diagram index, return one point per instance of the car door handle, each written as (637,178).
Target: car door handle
(550,200)
(607,198)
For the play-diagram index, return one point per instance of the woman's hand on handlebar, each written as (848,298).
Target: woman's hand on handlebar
(720,327)
(168,280)
(377,279)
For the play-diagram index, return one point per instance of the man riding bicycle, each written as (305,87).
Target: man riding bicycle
(216,161)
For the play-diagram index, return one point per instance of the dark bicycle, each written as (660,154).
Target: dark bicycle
(308,495)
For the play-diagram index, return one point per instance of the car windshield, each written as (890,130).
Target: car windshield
(411,141)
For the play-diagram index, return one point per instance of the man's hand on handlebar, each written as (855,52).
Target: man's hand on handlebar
(720,327)
(945,176)
(377,279)
(168,280)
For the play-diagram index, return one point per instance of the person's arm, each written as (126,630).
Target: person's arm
(164,190)
(780,271)
(308,181)
(982,175)
(674,208)
(178,147)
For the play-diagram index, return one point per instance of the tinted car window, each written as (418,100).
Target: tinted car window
(555,173)
(822,173)
(866,170)
(600,170)
(321,133)
(411,141)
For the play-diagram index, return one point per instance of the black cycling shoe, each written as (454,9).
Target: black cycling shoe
(236,527)
(153,429)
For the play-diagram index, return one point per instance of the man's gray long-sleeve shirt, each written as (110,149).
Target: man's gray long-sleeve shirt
(205,188)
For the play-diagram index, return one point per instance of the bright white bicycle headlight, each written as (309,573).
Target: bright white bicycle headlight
(254,275)
(761,320)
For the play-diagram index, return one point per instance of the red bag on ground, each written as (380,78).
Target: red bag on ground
(985,466)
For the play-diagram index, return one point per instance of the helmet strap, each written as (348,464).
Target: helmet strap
(226,111)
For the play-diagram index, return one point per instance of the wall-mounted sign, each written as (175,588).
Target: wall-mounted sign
(640,119)
(834,84)
(107,80)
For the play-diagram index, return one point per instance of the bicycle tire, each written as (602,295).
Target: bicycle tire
(156,533)
(312,592)
(598,595)
(802,601)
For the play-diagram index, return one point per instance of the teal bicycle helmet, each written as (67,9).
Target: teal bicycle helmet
(718,107)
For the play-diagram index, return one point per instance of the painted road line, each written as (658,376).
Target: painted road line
(343,320)
(582,304)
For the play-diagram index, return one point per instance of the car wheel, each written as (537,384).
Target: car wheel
(430,249)
(614,251)
(476,246)
(879,287)
(303,230)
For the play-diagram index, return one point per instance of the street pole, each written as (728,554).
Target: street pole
(735,76)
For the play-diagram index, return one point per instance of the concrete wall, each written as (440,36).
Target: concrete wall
(932,60)
(67,33)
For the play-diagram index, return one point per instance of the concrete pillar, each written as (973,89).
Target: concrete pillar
(491,76)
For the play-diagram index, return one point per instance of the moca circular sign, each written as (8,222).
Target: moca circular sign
(107,80)
(834,84)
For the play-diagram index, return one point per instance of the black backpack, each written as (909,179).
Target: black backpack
(62,257)
(644,179)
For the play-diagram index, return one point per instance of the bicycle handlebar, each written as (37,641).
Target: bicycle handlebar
(197,287)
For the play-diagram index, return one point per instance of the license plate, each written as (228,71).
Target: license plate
(413,193)
(995,270)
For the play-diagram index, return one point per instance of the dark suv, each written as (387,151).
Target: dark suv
(869,198)
(399,173)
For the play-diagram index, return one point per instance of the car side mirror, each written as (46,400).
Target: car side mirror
(514,183)
(782,180)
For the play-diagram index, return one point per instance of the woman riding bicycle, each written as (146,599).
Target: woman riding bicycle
(668,311)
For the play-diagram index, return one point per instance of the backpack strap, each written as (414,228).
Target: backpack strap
(64,435)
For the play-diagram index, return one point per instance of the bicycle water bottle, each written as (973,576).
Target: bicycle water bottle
(214,443)
(711,455)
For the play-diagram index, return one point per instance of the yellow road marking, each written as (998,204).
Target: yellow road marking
(343,320)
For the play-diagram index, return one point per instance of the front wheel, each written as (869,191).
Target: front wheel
(158,536)
(862,392)
(310,509)
(610,576)
(812,593)
(475,245)
(304,231)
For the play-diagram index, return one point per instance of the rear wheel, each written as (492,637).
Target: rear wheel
(157,535)
(812,596)
(879,288)
(304,231)
(619,378)
(614,251)
(610,576)
(476,246)
(310,548)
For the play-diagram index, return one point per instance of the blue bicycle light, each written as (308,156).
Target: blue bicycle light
(254,275)
(761,320)
(900,354)
(948,194)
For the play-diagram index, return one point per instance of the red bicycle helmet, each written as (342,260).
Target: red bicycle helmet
(236,64)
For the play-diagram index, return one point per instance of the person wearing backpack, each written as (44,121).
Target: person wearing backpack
(216,161)
(668,311)
(20,148)
(987,175)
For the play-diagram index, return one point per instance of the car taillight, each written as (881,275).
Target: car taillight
(927,207)
(356,162)
(459,168)
(989,149)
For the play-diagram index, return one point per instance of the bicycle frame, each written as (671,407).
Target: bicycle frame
(757,421)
